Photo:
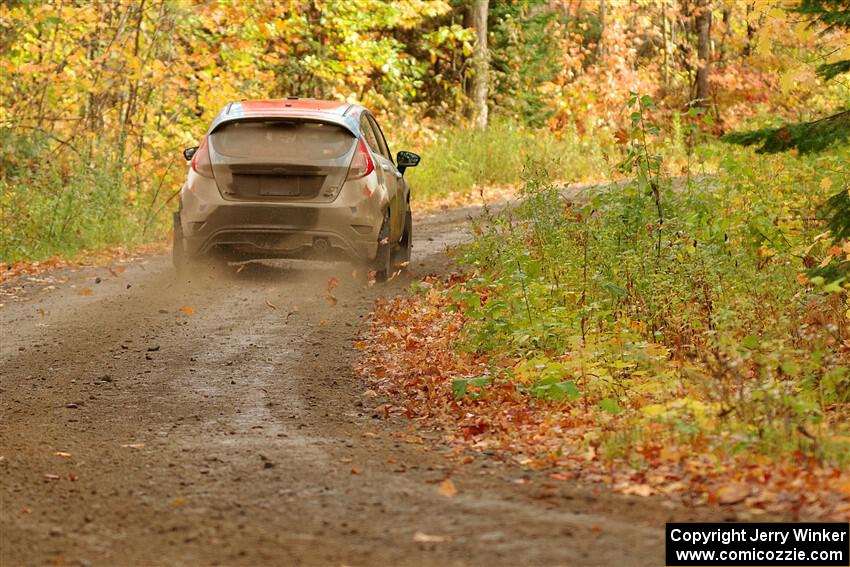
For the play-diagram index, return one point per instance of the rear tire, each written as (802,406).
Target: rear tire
(401,255)
(179,256)
(186,264)
(382,264)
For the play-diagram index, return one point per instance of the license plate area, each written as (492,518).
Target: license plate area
(247,186)
(280,186)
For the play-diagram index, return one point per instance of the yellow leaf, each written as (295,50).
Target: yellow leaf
(826,183)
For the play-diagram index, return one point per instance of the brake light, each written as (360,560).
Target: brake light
(201,160)
(361,164)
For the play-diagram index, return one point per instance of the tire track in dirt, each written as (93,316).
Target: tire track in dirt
(238,434)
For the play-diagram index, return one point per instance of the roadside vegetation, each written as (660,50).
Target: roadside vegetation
(666,334)
(468,160)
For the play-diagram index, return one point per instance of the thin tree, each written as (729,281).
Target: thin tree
(703,25)
(481,62)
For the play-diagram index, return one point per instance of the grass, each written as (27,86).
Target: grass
(55,202)
(462,159)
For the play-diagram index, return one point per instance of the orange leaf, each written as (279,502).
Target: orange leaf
(732,493)
(447,488)
(187,310)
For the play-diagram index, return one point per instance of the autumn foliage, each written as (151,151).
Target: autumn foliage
(709,368)
(97,99)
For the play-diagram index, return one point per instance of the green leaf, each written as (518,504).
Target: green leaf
(461,386)
(609,405)
(790,368)
(614,289)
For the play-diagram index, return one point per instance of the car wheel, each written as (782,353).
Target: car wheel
(179,256)
(382,264)
(186,264)
(401,255)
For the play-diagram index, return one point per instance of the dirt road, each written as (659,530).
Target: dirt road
(135,432)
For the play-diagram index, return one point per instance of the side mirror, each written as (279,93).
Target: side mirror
(189,153)
(406,159)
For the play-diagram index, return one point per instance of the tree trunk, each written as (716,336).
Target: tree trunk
(751,32)
(600,47)
(481,62)
(665,29)
(703,25)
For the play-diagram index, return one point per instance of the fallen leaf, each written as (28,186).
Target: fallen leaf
(637,490)
(270,304)
(178,502)
(52,477)
(62,454)
(420,537)
(133,445)
(187,310)
(86,291)
(117,271)
(355,470)
(732,493)
(332,284)
(447,488)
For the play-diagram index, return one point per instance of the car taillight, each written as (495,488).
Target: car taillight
(361,164)
(201,160)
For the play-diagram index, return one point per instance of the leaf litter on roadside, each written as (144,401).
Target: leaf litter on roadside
(410,358)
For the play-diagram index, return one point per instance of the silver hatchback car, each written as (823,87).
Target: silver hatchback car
(295,178)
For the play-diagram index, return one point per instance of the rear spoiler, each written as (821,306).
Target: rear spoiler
(234,113)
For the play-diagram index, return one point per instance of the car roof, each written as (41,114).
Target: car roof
(336,112)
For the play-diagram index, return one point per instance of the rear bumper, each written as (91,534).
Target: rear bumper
(284,231)
(347,227)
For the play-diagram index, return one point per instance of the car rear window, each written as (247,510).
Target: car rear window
(282,140)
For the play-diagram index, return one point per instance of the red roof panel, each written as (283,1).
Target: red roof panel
(291,103)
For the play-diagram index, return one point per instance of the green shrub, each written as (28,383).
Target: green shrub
(693,317)
(55,200)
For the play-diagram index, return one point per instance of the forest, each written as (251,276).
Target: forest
(665,307)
